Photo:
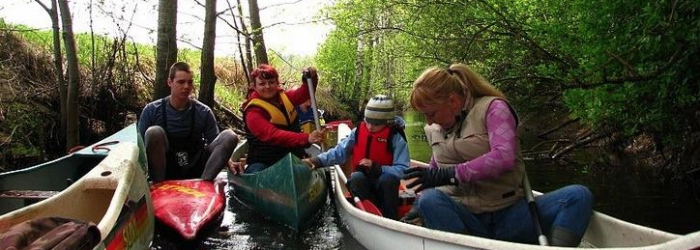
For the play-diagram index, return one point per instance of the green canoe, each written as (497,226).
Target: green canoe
(287,192)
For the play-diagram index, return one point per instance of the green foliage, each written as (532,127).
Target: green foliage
(628,66)
(22,133)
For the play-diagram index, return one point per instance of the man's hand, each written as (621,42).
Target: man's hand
(313,162)
(235,167)
(429,178)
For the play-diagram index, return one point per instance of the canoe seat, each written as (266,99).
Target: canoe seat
(28,194)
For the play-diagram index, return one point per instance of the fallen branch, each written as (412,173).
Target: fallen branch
(9,138)
(578,143)
(230,113)
(545,133)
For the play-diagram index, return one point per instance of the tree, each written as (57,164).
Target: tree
(208,76)
(246,35)
(256,26)
(166,47)
(622,69)
(58,65)
(72,111)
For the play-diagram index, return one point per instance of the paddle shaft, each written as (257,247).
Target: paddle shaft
(314,108)
(533,211)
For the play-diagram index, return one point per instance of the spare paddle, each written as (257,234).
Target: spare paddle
(367,206)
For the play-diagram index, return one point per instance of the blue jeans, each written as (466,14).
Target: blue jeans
(255,167)
(382,191)
(569,208)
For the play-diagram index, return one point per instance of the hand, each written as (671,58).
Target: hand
(310,72)
(316,136)
(370,170)
(429,178)
(313,162)
(235,167)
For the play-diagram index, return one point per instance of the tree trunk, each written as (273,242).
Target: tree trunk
(58,66)
(256,27)
(208,76)
(240,33)
(72,116)
(166,48)
(248,51)
(359,66)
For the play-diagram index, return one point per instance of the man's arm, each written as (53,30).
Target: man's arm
(146,119)
(211,129)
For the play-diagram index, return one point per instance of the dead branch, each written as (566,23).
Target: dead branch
(584,140)
(560,126)
(555,141)
(9,138)
(229,112)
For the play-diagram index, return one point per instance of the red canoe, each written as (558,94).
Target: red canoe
(187,206)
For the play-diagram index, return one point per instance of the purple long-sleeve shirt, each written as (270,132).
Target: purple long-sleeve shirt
(500,124)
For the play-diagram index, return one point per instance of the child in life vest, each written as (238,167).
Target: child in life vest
(378,153)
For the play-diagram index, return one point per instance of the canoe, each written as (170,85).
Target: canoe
(44,180)
(188,206)
(288,192)
(114,195)
(375,232)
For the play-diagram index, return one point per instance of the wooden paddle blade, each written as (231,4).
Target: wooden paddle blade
(371,208)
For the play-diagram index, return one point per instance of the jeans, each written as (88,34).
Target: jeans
(569,208)
(255,167)
(382,191)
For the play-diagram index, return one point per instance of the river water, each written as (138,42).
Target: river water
(627,193)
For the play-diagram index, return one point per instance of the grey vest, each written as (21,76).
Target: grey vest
(466,143)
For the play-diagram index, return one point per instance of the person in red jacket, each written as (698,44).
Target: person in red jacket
(270,118)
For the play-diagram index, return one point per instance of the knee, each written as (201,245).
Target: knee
(229,136)
(581,194)
(154,134)
(430,198)
(228,139)
(389,180)
(357,178)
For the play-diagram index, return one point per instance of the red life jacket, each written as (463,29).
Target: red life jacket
(372,146)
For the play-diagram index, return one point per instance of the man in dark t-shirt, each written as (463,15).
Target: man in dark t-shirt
(181,134)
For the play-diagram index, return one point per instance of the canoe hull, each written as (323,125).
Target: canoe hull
(375,232)
(287,192)
(106,187)
(187,206)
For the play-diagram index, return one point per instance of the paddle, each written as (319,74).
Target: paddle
(314,108)
(533,211)
(367,206)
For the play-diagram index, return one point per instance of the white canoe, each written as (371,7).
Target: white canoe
(604,231)
(114,195)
